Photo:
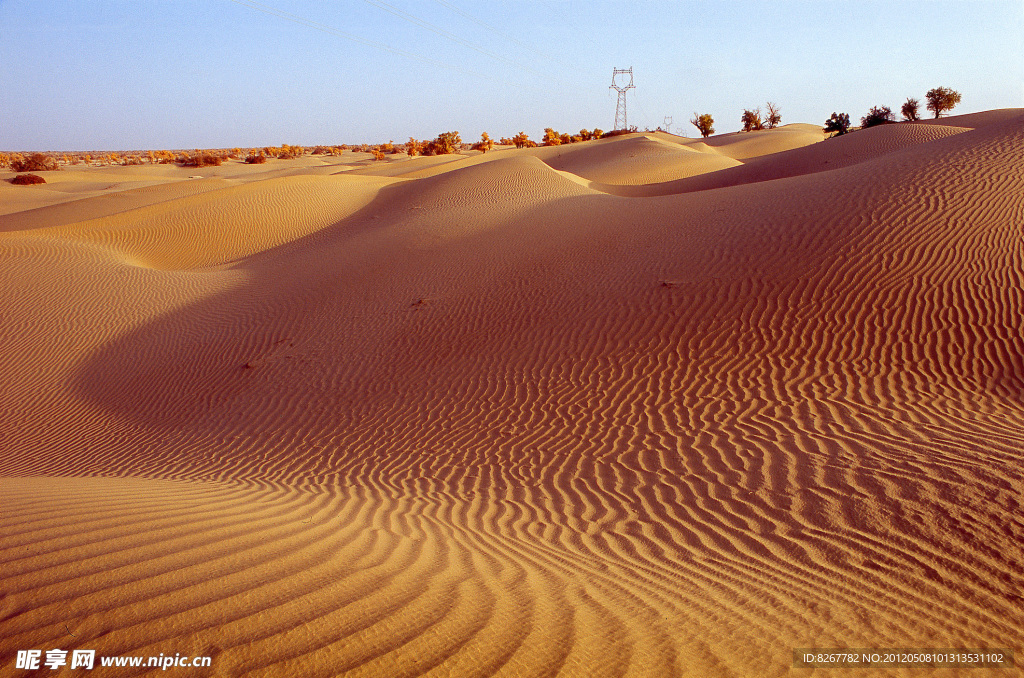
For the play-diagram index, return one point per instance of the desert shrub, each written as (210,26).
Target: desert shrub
(377,154)
(909,109)
(752,120)
(200,159)
(413,147)
(444,144)
(255,158)
(597,133)
(132,160)
(838,123)
(704,123)
(520,140)
(28,179)
(585,135)
(551,137)
(37,162)
(773,116)
(878,115)
(485,144)
(941,99)
(290,152)
(565,138)
(616,132)
(5,160)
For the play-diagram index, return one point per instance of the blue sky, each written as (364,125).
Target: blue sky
(140,74)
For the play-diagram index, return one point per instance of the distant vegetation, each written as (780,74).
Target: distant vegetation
(941,99)
(879,115)
(838,123)
(444,144)
(704,123)
(773,116)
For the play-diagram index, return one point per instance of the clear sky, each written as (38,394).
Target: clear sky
(141,74)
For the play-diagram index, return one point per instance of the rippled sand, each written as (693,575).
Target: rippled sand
(645,406)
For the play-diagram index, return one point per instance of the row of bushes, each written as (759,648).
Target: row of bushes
(940,100)
(752,119)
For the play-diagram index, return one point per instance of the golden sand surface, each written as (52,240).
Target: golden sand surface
(643,406)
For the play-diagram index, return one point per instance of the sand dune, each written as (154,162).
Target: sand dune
(489,417)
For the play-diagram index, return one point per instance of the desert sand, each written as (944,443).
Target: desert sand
(643,406)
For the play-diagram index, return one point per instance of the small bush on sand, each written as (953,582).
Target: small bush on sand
(485,144)
(838,124)
(551,137)
(520,140)
(27,180)
(290,152)
(377,154)
(37,162)
(704,123)
(201,159)
(444,144)
(752,120)
(773,117)
(255,159)
(942,99)
(879,115)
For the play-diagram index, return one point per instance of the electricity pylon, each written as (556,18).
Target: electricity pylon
(668,123)
(620,105)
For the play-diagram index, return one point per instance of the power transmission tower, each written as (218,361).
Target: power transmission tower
(668,123)
(620,105)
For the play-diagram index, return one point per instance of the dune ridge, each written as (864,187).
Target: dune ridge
(493,420)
